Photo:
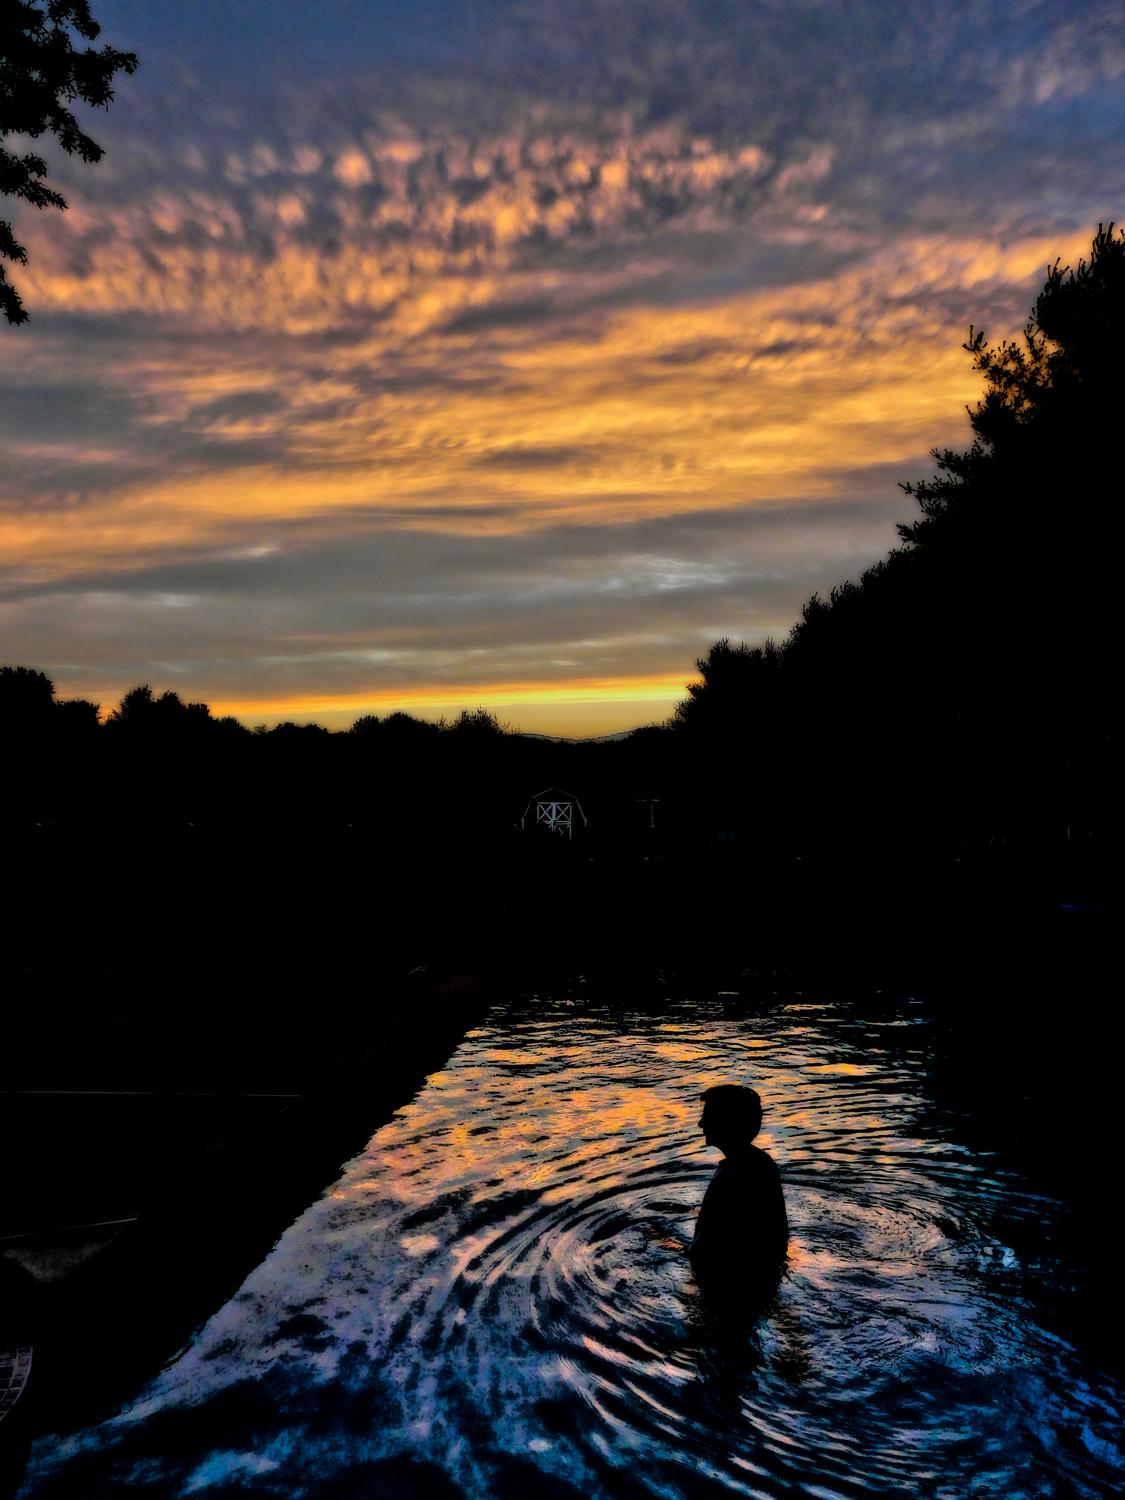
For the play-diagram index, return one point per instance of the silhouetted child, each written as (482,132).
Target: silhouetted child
(742,1231)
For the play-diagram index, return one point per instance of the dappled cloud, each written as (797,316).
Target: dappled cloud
(472,328)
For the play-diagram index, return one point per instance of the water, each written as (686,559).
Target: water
(494,1300)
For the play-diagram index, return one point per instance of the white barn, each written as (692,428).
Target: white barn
(554,810)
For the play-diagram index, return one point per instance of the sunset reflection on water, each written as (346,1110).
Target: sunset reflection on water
(496,1292)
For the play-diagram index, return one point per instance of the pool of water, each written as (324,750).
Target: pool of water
(494,1299)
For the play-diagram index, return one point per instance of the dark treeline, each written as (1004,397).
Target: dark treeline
(956,699)
(942,725)
(158,765)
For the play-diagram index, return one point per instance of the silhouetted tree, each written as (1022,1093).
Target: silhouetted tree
(77,717)
(959,689)
(230,727)
(141,716)
(27,697)
(42,72)
(1048,406)
(366,725)
(406,729)
(732,678)
(297,733)
(476,723)
(28,706)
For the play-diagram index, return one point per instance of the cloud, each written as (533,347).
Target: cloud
(413,618)
(487,331)
(502,315)
(241,406)
(528,456)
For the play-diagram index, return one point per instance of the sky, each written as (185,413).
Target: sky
(430,354)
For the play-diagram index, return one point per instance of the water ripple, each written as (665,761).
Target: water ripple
(496,1293)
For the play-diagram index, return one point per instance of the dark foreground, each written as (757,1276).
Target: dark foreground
(492,1297)
(179,1093)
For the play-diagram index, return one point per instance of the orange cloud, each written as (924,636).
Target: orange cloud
(753,397)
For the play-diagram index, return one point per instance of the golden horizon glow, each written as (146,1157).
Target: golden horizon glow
(591,706)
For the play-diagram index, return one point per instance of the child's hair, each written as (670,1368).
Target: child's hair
(737,1106)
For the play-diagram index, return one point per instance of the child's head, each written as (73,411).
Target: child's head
(731,1113)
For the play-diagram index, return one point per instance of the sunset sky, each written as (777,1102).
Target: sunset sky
(421,354)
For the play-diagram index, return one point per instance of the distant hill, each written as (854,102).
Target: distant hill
(570,739)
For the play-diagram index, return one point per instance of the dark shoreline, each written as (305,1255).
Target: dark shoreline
(102,1322)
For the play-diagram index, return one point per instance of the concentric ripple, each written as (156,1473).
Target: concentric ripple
(495,1300)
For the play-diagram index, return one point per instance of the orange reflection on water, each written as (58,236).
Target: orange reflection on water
(579,1111)
(852,1069)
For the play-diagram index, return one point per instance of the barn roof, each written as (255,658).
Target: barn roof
(553,794)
